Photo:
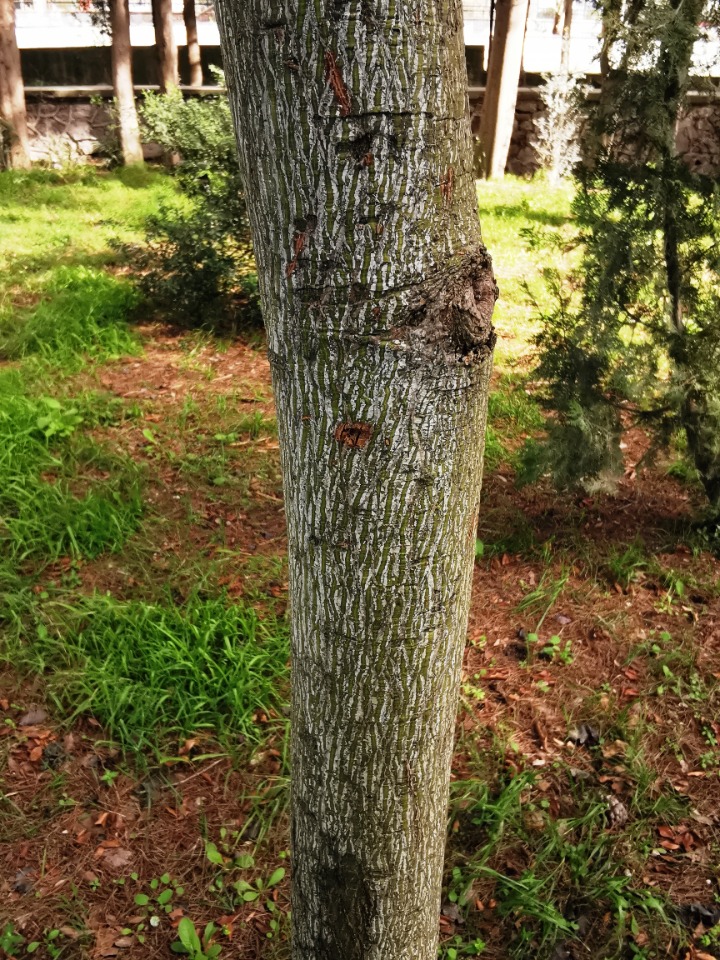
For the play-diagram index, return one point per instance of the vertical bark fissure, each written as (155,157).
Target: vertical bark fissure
(121,54)
(377,295)
(193,45)
(14,136)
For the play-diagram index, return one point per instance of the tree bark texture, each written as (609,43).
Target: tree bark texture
(498,113)
(167,55)
(130,143)
(12,92)
(377,293)
(193,45)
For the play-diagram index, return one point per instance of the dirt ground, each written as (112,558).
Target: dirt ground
(593,658)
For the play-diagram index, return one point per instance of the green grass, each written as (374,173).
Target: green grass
(508,209)
(565,870)
(151,671)
(81,312)
(50,503)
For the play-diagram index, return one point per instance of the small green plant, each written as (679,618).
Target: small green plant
(193,945)
(162,890)
(544,597)
(50,941)
(11,941)
(247,891)
(462,948)
(58,421)
(553,648)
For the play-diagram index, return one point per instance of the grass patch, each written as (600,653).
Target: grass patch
(50,501)
(555,876)
(82,312)
(151,671)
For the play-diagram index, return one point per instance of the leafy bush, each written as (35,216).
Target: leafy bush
(198,259)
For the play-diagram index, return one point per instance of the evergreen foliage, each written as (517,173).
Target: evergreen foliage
(557,130)
(633,334)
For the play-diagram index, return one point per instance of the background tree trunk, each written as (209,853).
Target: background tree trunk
(566,36)
(165,45)
(377,295)
(193,46)
(498,112)
(123,82)
(12,91)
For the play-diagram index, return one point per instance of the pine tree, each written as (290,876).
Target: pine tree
(635,333)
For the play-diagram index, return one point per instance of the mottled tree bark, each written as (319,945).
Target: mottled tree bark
(377,295)
(193,45)
(165,45)
(498,112)
(12,92)
(123,82)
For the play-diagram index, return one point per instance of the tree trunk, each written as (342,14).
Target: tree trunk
(377,295)
(12,92)
(566,35)
(123,82)
(193,46)
(167,55)
(498,113)
(699,408)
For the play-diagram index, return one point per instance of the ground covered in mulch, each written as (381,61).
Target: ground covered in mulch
(585,803)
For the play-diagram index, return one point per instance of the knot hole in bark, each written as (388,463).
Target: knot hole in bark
(452,311)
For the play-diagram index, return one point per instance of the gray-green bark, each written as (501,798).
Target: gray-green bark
(377,294)
(14,140)
(503,77)
(128,127)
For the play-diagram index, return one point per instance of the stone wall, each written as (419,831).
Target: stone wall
(521,159)
(698,135)
(66,128)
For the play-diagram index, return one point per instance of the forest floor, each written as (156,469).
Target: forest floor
(144,678)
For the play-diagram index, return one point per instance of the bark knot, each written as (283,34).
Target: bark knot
(452,311)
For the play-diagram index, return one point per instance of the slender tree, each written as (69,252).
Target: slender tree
(498,113)
(566,36)
(121,53)
(377,294)
(12,91)
(165,45)
(193,45)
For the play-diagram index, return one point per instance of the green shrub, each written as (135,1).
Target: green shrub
(198,259)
